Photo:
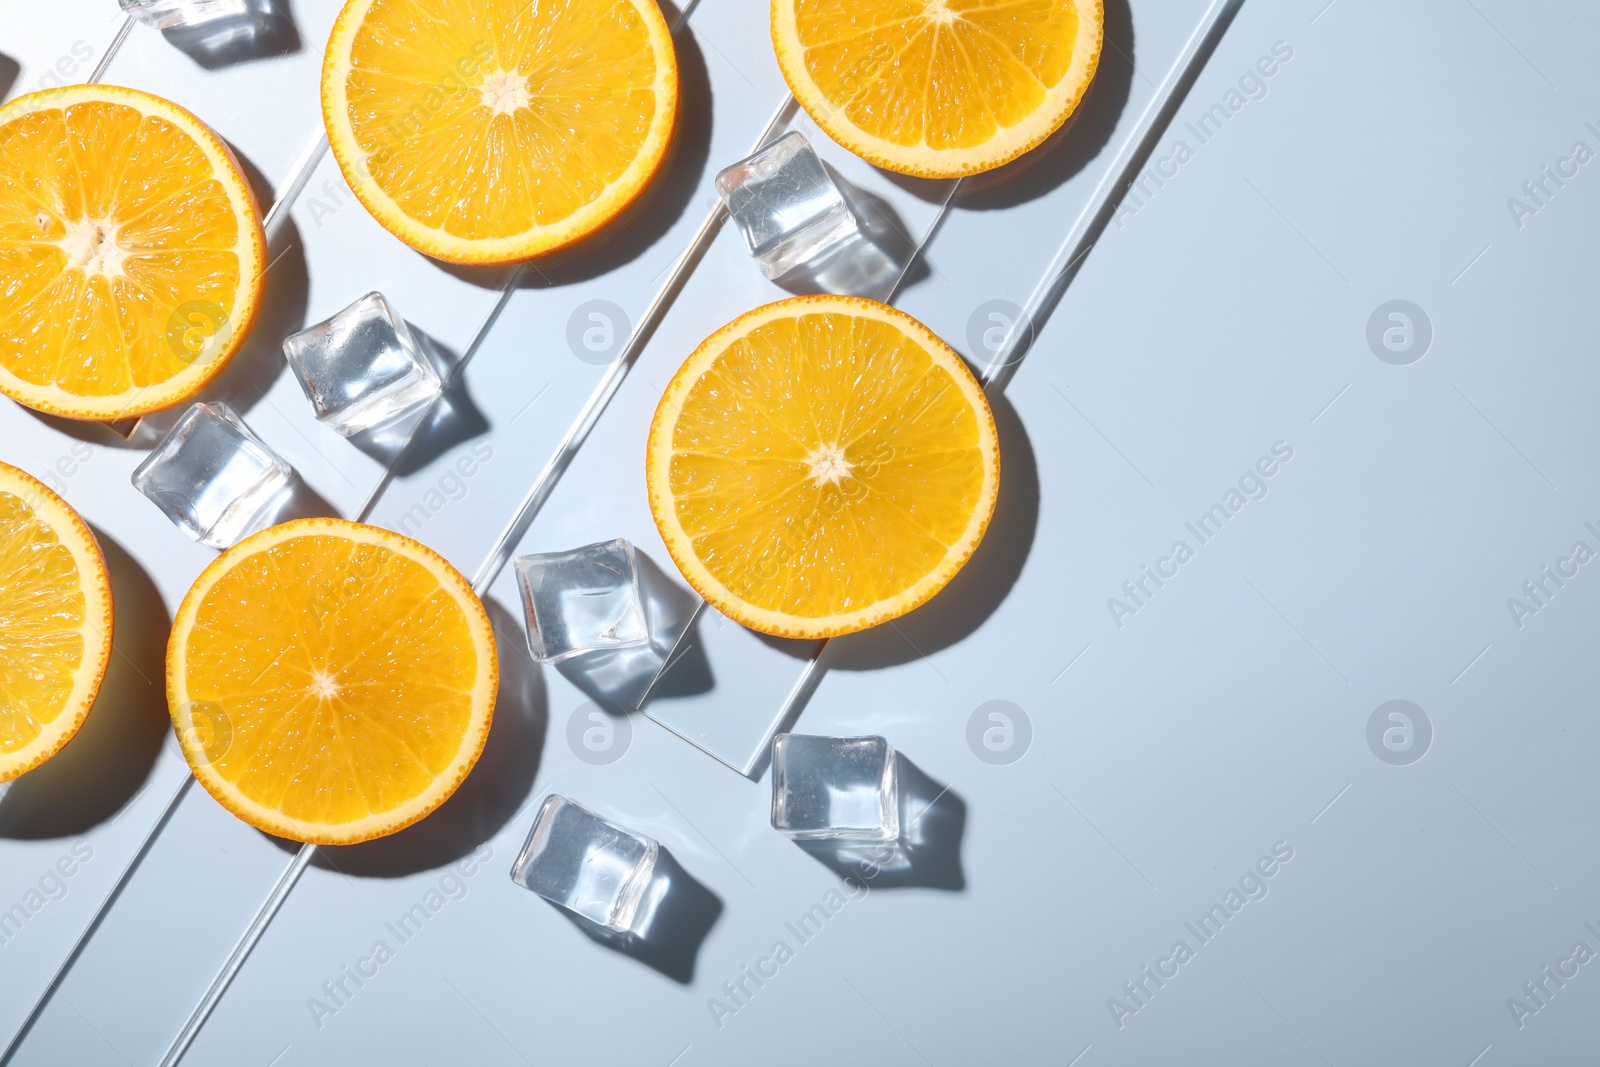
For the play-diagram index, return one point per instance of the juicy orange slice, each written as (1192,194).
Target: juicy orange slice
(489,131)
(331,682)
(131,252)
(938,88)
(55,622)
(820,465)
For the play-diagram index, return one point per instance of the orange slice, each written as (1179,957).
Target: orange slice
(131,252)
(331,682)
(55,622)
(938,88)
(490,131)
(820,465)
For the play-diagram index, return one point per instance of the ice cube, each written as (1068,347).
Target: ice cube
(362,367)
(841,788)
(585,600)
(179,14)
(586,864)
(790,211)
(212,477)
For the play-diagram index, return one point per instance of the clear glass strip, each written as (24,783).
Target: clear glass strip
(750,759)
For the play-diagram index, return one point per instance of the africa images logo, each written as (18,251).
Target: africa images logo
(596,736)
(1251,486)
(999,732)
(1252,886)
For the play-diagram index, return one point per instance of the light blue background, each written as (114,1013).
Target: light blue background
(1222,311)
